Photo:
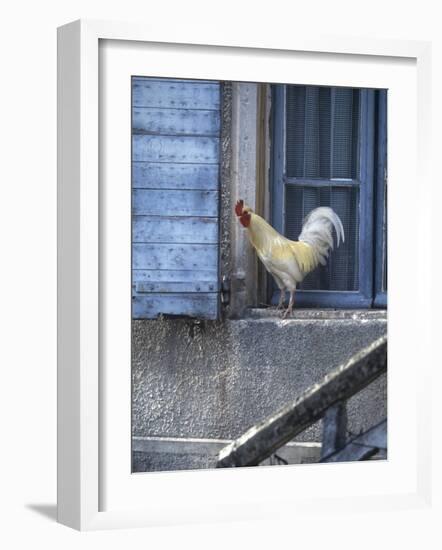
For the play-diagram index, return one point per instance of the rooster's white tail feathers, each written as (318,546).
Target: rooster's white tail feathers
(317,231)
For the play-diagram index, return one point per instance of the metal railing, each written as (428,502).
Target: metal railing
(326,400)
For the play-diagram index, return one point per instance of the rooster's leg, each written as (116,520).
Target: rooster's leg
(281,299)
(289,310)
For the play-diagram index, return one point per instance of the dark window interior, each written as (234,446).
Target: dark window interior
(330,150)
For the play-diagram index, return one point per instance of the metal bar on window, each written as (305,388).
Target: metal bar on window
(321,183)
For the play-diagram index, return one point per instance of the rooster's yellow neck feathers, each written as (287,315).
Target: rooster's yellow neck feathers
(261,233)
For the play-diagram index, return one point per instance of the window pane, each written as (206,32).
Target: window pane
(345,116)
(295,130)
(341,271)
(322,132)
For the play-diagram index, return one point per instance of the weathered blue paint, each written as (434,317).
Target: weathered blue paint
(320,183)
(277,171)
(366,206)
(202,305)
(171,202)
(147,229)
(151,175)
(174,256)
(187,122)
(174,276)
(175,281)
(380,299)
(366,177)
(143,287)
(154,148)
(331,299)
(175,198)
(175,94)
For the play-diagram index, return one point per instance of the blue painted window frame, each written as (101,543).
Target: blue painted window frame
(380,298)
(371,181)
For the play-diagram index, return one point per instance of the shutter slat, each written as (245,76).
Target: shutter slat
(175,121)
(175,149)
(160,287)
(149,306)
(146,229)
(150,175)
(175,94)
(167,276)
(153,202)
(174,256)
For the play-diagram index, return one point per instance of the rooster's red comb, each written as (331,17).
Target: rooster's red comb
(239,207)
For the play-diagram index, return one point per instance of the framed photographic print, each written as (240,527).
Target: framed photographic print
(230,226)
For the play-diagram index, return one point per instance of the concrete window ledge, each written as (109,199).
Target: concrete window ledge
(318,314)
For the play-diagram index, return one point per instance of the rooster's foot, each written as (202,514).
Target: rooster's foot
(287,313)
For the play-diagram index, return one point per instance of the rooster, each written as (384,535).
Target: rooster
(290,261)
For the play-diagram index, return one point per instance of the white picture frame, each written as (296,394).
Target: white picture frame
(95,487)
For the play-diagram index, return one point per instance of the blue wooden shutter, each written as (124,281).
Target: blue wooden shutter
(175,198)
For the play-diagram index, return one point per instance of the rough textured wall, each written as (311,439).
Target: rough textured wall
(243,174)
(226,208)
(216,379)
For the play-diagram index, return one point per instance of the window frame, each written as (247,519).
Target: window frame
(381,237)
(370,194)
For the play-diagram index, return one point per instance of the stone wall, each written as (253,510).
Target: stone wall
(216,379)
